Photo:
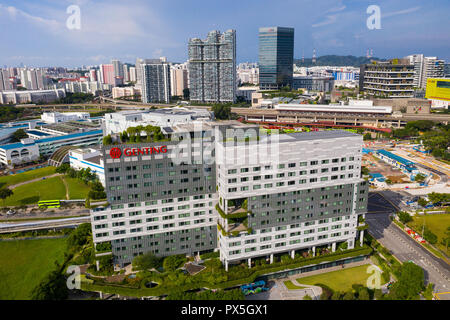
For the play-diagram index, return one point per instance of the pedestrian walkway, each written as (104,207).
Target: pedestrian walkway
(33,180)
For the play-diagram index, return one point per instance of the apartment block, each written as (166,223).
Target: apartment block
(305,194)
(212,67)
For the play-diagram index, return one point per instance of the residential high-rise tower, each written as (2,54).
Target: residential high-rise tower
(212,67)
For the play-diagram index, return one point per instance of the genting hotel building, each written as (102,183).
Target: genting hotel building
(227,186)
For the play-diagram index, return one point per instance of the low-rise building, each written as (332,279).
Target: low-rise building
(31,96)
(120,121)
(58,117)
(91,158)
(14,154)
(120,92)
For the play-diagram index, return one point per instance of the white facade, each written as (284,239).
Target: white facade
(120,121)
(88,158)
(22,152)
(33,96)
(326,160)
(57,117)
(5,84)
(424,68)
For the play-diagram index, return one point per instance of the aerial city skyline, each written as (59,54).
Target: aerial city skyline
(252,150)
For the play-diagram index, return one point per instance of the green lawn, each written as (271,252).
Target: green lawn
(24,263)
(292,286)
(48,189)
(437,223)
(25,176)
(77,188)
(340,280)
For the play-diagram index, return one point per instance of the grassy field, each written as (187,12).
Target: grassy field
(24,263)
(437,223)
(48,189)
(340,280)
(25,176)
(77,188)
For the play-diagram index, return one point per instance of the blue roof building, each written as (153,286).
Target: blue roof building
(397,161)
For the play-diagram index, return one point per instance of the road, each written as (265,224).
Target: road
(405,248)
(42,224)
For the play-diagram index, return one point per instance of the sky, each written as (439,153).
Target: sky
(35,32)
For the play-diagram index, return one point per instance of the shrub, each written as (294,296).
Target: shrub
(404,217)
(349,295)
(172,263)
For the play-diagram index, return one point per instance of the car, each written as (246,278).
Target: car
(10,212)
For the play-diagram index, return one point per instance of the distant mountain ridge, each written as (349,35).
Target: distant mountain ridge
(334,60)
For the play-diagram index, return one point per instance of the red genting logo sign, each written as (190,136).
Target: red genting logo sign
(115,153)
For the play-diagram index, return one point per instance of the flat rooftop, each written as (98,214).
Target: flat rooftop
(308,136)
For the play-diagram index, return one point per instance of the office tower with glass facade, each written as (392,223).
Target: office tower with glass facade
(212,67)
(276,57)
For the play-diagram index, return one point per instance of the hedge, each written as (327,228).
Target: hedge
(161,290)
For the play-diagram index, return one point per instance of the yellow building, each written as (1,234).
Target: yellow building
(438,89)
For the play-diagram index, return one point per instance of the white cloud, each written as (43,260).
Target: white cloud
(396,13)
(16,14)
(337,9)
(330,20)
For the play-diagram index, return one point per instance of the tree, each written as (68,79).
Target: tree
(422,202)
(336,295)
(80,236)
(363,294)
(367,136)
(221,111)
(146,261)
(410,282)
(404,217)
(307,297)
(171,263)
(419,177)
(349,295)
(429,236)
(63,168)
(364,171)
(97,191)
(53,287)
(5,193)
(107,140)
(18,135)
(439,197)
(446,241)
